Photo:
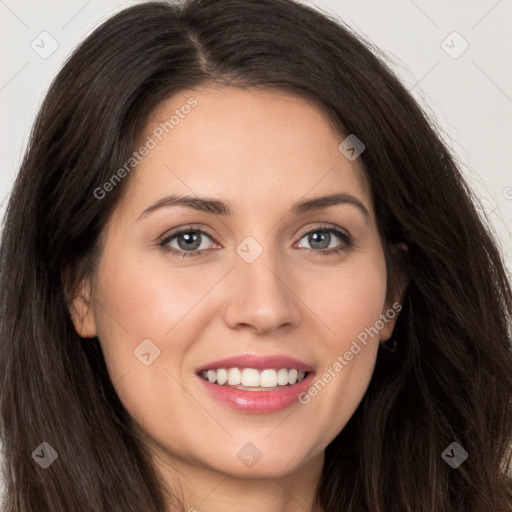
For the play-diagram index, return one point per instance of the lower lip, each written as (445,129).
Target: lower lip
(259,402)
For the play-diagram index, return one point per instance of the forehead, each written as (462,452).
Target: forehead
(244,144)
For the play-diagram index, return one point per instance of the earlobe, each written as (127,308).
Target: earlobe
(389,317)
(81,310)
(82,315)
(391,312)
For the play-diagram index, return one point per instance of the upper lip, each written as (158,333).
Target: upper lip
(259,362)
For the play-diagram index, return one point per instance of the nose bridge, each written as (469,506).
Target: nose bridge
(260,296)
(259,264)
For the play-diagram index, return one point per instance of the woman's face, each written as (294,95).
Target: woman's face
(257,281)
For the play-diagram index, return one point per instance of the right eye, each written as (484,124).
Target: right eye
(189,242)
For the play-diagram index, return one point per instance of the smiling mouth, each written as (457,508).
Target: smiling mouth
(251,379)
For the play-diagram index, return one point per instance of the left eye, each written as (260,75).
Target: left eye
(325,237)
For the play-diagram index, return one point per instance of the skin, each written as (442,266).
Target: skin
(260,152)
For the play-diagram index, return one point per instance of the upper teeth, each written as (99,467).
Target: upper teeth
(253,378)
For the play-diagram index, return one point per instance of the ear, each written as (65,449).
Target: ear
(79,302)
(393,305)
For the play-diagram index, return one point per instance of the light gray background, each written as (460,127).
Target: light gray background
(470,96)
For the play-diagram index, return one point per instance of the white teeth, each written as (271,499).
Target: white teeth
(282,377)
(251,377)
(234,376)
(268,379)
(222,376)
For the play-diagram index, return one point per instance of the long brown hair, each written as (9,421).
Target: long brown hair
(449,379)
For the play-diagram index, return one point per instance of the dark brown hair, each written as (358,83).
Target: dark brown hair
(450,378)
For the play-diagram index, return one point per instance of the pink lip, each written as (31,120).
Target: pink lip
(257,362)
(259,402)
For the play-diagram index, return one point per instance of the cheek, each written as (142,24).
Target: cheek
(351,299)
(147,305)
(351,303)
(140,300)
(359,304)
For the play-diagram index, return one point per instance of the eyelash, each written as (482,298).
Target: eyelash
(346,238)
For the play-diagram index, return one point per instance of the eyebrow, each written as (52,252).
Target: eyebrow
(209,205)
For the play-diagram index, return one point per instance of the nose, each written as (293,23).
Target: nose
(260,295)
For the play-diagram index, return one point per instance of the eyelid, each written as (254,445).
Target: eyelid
(180,229)
(327,227)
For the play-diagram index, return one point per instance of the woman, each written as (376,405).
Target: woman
(172,336)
